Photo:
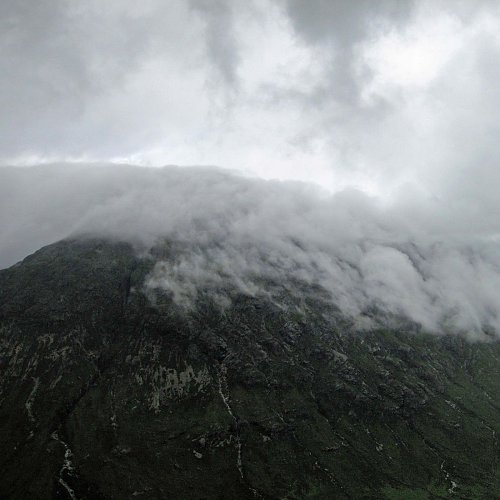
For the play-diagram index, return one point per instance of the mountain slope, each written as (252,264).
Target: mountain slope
(105,395)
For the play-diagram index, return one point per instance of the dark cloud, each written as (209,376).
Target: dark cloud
(346,23)
(222,45)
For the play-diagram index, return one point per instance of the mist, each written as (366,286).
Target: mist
(423,260)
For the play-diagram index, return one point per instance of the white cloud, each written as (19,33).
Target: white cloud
(231,232)
(412,58)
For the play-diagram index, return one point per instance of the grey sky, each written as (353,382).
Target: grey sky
(368,93)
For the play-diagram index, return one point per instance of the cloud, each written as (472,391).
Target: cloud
(222,46)
(345,23)
(228,232)
(371,94)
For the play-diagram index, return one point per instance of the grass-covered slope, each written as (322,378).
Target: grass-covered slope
(103,395)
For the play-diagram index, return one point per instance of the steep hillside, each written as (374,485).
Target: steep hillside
(107,392)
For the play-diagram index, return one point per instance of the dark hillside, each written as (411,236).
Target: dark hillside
(103,395)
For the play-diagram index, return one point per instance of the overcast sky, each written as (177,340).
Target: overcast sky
(375,94)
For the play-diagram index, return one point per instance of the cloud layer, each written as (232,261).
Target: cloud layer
(415,260)
(372,94)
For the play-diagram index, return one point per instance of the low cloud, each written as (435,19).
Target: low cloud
(423,260)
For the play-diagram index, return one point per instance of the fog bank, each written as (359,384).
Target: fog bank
(432,261)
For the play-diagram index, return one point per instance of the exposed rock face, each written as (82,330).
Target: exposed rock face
(105,396)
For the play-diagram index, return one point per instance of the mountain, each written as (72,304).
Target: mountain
(108,391)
